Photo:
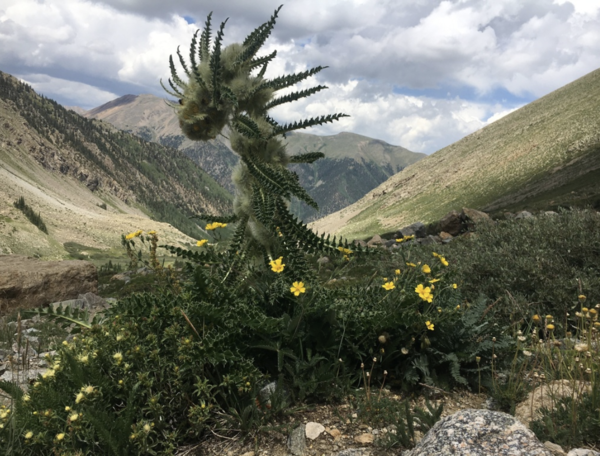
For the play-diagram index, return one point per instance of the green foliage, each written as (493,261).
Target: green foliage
(142,383)
(571,422)
(65,315)
(537,260)
(34,218)
(400,422)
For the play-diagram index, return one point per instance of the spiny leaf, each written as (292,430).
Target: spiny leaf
(227,94)
(193,53)
(204,52)
(182,61)
(294,96)
(174,75)
(256,39)
(175,93)
(307,123)
(262,61)
(309,157)
(280,181)
(285,81)
(253,36)
(215,65)
(246,126)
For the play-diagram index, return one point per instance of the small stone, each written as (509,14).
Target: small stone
(556,449)
(314,430)
(335,433)
(364,438)
(248,453)
(297,441)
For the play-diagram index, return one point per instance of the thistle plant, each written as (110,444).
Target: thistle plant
(226,89)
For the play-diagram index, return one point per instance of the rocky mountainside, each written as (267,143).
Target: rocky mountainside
(353,165)
(89,181)
(541,156)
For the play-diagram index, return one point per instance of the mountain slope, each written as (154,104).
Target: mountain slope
(67,166)
(535,157)
(353,164)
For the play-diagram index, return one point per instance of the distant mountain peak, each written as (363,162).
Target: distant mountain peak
(121,101)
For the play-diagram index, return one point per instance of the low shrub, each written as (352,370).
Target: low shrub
(531,265)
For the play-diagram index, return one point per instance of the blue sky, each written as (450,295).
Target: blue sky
(418,73)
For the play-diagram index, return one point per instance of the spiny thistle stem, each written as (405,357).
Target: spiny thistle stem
(226,90)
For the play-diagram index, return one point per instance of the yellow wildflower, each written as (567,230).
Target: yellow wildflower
(581,298)
(550,327)
(536,318)
(443,261)
(397,272)
(152,233)
(389,286)
(277,265)
(60,436)
(118,357)
(88,389)
(346,251)
(436,255)
(297,288)
(74,417)
(201,242)
(412,265)
(215,225)
(28,435)
(79,397)
(147,428)
(434,280)
(430,326)
(454,286)
(424,293)
(67,409)
(426,269)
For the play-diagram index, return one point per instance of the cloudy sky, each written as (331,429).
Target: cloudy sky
(416,73)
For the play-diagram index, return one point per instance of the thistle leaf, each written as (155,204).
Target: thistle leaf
(182,61)
(204,51)
(247,127)
(294,96)
(307,123)
(309,157)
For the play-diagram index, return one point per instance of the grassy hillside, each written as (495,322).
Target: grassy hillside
(65,164)
(540,156)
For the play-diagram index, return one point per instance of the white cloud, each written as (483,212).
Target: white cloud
(390,65)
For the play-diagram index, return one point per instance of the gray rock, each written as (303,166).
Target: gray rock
(583,452)
(375,240)
(297,441)
(523,215)
(431,239)
(451,223)
(556,449)
(479,433)
(417,229)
